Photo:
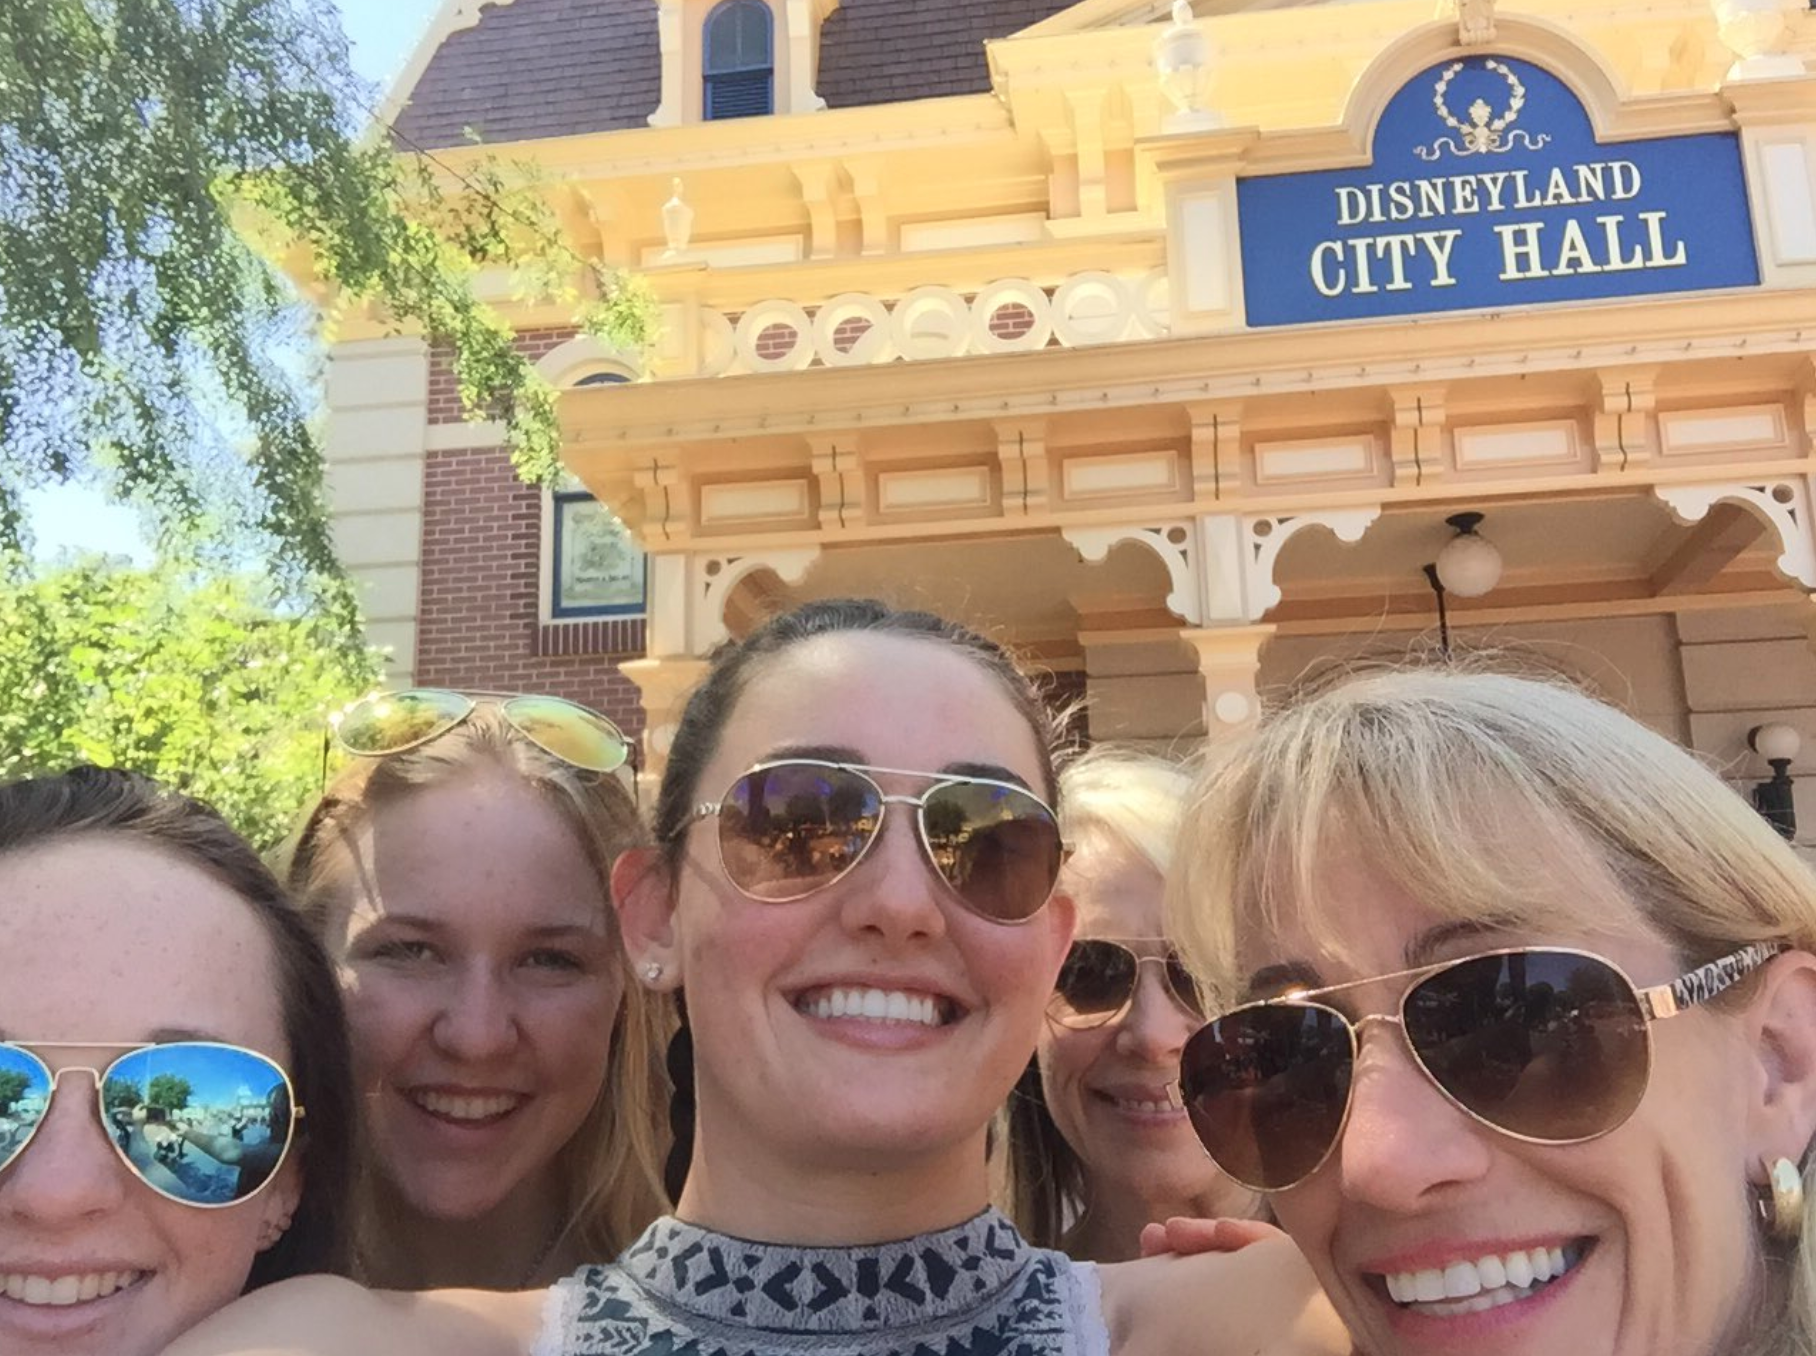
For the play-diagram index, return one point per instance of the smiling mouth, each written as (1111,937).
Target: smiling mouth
(59,1292)
(878,1005)
(1486,1283)
(1141,1106)
(467,1109)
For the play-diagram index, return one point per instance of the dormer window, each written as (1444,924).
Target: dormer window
(740,60)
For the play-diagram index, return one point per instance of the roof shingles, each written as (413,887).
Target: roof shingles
(552,68)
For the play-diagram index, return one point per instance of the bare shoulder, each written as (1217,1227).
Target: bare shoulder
(329,1316)
(1262,1299)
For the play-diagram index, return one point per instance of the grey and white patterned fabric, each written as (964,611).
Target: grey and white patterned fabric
(975,1290)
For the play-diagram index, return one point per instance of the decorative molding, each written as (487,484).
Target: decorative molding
(1623,428)
(1088,308)
(712,578)
(754,501)
(1303,459)
(1123,473)
(948,487)
(1172,542)
(1491,448)
(1748,428)
(1265,536)
(1785,504)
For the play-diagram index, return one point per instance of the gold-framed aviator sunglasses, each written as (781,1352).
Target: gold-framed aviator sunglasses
(202,1123)
(385,723)
(1096,984)
(1546,1045)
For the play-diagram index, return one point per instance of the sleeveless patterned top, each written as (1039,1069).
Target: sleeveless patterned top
(975,1290)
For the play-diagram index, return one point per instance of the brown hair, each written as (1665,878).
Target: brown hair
(710,707)
(609,1166)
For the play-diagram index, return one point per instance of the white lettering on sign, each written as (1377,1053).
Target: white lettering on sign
(1491,191)
(1528,251)
(1384,263)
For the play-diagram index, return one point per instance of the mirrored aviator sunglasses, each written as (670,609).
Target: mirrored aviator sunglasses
(1096,985)
(792,827)
(1547,1046)
(202,1124)
(393,722)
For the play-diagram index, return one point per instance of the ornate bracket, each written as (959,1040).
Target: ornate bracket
(1172,542)
(1785,504)
(1263,537)
(712,578)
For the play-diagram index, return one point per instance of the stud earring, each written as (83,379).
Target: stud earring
(651,971)
(1781,1201)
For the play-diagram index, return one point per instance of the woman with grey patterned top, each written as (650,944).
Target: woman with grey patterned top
(853,886)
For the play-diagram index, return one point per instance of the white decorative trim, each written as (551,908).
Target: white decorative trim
(1315,459)
(1749,428)
(712,578)
(1093,308)
(1499,446)
(875,345)
(1123,473)
(948,487)
(1171,542)
(953,335)
(1264,536)
(561,365)
(1011,292)
(752,501)
(760,318)
(1785,504)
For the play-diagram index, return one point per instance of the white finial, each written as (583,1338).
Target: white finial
(1182,60)
(1756,31)
(677,224)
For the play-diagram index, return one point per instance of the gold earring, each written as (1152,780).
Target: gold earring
(1781,1202)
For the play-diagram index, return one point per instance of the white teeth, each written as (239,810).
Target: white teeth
(62,1291)
(457,1108)
(1145,1107)
(1461,1281)
(1519,1269)
(877,1005)
(1467,1287)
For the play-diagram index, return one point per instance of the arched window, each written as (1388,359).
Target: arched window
(740,62)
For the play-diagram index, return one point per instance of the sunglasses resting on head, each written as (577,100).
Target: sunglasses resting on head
(1543,1044)
(394,722)
(794,826)
(155,1102)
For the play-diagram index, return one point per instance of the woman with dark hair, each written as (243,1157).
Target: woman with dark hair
(853,884)
(153,974)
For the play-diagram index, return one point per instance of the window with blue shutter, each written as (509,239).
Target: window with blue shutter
(740,63)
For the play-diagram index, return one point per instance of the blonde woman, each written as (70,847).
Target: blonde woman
(458,872)
(1517,1021)
(1098,1145)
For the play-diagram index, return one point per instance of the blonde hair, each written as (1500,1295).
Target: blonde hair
(611,1167)
(1448,781)
(1109,797)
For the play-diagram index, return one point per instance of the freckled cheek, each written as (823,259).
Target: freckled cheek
(386,1021)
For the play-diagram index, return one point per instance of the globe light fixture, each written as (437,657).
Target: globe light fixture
(1777,744)
(1469,565)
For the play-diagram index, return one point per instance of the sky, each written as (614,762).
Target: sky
(75,518)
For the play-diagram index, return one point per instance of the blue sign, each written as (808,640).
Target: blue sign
(1489,189)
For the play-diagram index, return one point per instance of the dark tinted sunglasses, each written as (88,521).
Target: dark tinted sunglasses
(199,1123)
(1097,983)
(1546,1045)
(789,828)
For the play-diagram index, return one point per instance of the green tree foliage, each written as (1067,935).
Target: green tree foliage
(12,1087)
(120,1094)
(168,1091)
(141,143)
(192,678)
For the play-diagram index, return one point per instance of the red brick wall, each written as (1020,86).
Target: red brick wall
(444,390)
(479,618)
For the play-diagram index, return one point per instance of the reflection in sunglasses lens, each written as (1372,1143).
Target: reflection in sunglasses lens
(786,830)
(572,733)
(1097,977)
(1545,1044)
(24,1094)
(995,845)
(206,1124)
(397,720)
(1266,1089)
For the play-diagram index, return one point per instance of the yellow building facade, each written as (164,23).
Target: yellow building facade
(1167,356)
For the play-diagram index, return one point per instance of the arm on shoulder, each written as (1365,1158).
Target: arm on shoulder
(1262,1299)
(331,1316)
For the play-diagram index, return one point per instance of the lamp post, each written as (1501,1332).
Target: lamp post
(1468,566)
(1778,745)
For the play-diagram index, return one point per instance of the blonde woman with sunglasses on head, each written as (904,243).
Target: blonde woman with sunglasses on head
(1098,1145)
(457,870)
(175,1099)
(853,887)
(1521,1021)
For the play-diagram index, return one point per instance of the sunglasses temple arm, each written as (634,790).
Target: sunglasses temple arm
(325,738)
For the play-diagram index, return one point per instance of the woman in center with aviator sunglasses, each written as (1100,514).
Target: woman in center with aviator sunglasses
(1519,1021)
(853,887)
